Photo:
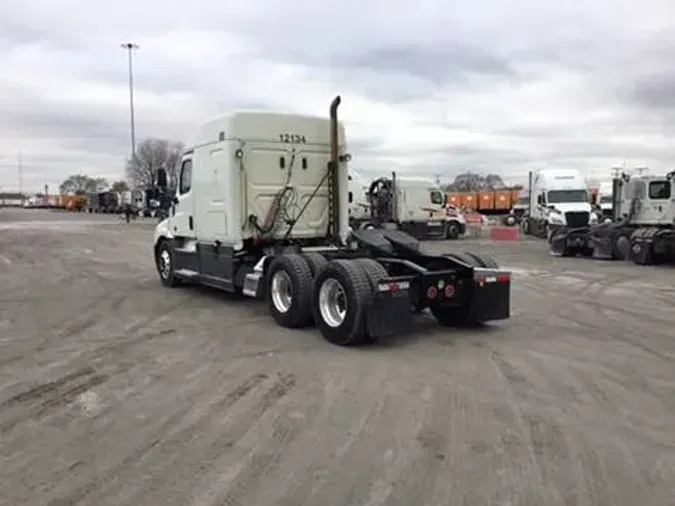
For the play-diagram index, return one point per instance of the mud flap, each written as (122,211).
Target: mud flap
(389,312)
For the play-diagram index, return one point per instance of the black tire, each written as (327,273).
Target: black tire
(316,261)
(641,253)
(290,273)
(164,261)
(483,260)
(452,230)
(356,287)
(462,257)
(374,271)
(525,226)
(621,248)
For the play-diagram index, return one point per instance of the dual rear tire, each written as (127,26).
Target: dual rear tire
(335,295)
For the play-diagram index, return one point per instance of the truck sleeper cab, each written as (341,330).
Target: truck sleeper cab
(261,209)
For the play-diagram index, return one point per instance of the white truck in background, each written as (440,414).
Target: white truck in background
(603,200)
(359,207)
(415,205)
(559,203)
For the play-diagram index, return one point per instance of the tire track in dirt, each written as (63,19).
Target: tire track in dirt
(261,461)
(549,444)
(321,474)
(37,401)
(162,446)
(184,455)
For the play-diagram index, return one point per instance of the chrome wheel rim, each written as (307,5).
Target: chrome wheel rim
(282,291)
(165,264)
(332,302)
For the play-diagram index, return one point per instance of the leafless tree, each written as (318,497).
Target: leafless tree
(471,181)
(80,184)
(119,186)
(151,155)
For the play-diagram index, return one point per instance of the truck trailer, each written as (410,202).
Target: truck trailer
(261,209)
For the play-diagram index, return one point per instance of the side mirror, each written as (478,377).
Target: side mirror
(161,178)
(174,200)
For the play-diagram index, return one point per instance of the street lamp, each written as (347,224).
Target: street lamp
(130,47)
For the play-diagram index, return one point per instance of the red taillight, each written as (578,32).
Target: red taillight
(449,291)
(393,287)
(432,292)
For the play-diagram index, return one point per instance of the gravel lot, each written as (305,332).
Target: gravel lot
(114,390)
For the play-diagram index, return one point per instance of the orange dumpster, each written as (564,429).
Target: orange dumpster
(503,200)
(469,199)
(486,201)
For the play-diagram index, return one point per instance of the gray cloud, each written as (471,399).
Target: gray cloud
(656,92)
(439,64)
(542,86)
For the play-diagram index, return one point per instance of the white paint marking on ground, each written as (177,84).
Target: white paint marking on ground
(5,260)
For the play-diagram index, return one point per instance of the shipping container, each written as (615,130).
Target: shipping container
(469,200)
(455,199)
(486,201)
(503,200)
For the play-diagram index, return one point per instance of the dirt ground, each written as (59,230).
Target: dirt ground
(114,390)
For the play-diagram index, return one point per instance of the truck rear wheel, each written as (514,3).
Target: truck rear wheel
(641,253)
(341,294)
(621,249)
(289,291)
(485,261)
(316,261)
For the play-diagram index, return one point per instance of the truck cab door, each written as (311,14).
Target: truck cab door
(659,207)
(182,221)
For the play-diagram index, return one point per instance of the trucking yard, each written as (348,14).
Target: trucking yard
(114,390)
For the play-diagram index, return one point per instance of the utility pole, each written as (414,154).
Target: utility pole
(20,169)
(130,47)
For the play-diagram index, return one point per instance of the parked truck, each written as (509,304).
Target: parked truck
(559,202)
(272,223)
(602,200)
(416,206)
(643,226)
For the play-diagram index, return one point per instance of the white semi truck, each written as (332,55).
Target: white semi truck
(559,203)
(643,226)
(261,209)
(414,205)
(603,199)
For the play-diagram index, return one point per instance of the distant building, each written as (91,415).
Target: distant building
(11,199)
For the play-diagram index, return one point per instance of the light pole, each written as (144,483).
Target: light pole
(130,47)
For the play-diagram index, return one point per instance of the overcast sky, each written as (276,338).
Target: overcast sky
(428,86)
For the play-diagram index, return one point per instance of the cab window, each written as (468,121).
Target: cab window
(659,190)
(437,198)
(185,183)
